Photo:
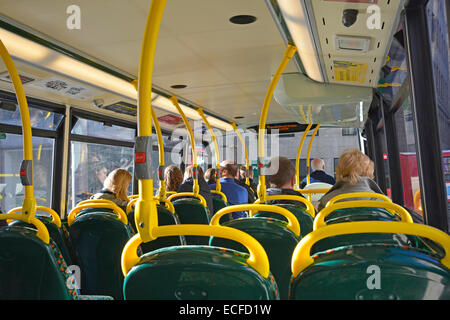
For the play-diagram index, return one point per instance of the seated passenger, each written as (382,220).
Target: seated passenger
(188,184)
(253,185)
(318,174)
(354,173)
(173,177)
(115,188)
(283,182)
(235,193)
(210,175)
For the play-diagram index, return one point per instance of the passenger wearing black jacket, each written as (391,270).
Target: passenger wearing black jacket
(188,184)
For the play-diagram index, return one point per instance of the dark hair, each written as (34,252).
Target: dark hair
(210,175)
(172,177)
(286,170)
(231,168)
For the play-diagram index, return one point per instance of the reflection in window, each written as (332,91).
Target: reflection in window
(12,192)
(90,165)
(40,119)
(103,130)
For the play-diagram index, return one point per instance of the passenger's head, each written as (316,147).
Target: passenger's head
(117,182)
(189,170)
(210,175)
(353,165)
(101,172)
(285,176)
(317,164)
(228,169)
(173,177)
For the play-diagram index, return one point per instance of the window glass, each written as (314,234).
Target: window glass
(40,119)
(11,155)
(103,130)
(89,166)
(408,155)
(439,40)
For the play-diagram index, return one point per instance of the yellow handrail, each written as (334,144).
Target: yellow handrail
(115,208)
(168,205)
(288,54)
(189,194)
(301,258)
(319,221)
(247,164)
(221,194)
(310,191)
(29,202)
(293,224)
(309,206)
(56,220)
(42,232)
(357,195)
(297,160)
(196,187)
(258,258)
(308,155)
(217,153)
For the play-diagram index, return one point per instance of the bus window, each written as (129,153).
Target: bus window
(91,162)
(11,155)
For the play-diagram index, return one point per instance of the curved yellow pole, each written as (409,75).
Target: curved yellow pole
(288,54)
(146,216)
(29,202)
(195,188)
(247,164)
(308,156)
(216,146)
(297,161)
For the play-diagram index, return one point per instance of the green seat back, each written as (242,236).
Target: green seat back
(218,204)
(197,273)
(362,214)
(165,217)
(98,239)
(57,235)
(304,219)
(31,269)
(191,211)
(373,272)
(278,242)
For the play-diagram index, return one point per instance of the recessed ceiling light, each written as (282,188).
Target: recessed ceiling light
(178,86)
(243,19)
(238,117)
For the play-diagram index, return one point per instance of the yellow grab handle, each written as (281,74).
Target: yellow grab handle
(309,206)
(358,195)
(42,232)
(247,164)
(319,221)
(224,197)
(293,224)
(311,191)
(299,150)
(301,258)
(189,194)
(92,201)
(168,205)
(134,196)
(56,220)
(258,258)
(116,209)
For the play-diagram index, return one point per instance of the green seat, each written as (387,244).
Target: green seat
(58,235)
(191,211)
(98,239)
(165,217)
(218,204)
(304,219)
(197,273)
(278,242)
(348,273)
(362,214)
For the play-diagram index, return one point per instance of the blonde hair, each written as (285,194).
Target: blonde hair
(173,177)
(353,165)
(117,182)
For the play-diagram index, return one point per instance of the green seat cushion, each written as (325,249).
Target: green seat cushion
(197,273)
(191,211)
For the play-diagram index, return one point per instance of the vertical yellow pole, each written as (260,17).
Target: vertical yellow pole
(297,161)
(288,54)
(195,188)
(247,164)
(308,156)
(29,202)
(146,213)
